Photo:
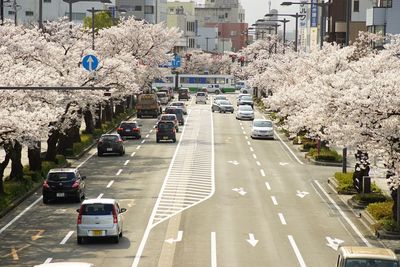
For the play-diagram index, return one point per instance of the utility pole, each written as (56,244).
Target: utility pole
(2,11)
(40,14)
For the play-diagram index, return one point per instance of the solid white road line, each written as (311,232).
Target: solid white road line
(274,200)
(126,162)
(147,136)
(296,251)
(213,250)
(133,154)
(143,141)
(251,149)
(258,163)
(283,221)
(268,186)
(254,156)
(100,196)
(66,238)
(110,183)
(48,260)
(262,173)
(119,172)
(355,229)
(20,215)
(138,147)
(83,162)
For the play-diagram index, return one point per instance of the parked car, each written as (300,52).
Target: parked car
(262,129)
(222,106)
(100,217)
(245,112)
(350,256)
(163,97)
(165,131)
(183,93)
(214,88)
(63,183)
(170,117)
(201,97)
(110,143)
(177,111)
(129,129)
(179,104)
(246,100)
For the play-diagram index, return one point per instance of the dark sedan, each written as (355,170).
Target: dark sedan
(129,129)
(110,143)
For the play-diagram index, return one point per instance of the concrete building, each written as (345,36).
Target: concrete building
(153,11)
(220,11)
(231,36)
(384,17)
(208,40)
(27,11)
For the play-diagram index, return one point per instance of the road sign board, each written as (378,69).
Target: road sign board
(90,62)
(176,62)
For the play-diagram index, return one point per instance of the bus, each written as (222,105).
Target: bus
(197,81)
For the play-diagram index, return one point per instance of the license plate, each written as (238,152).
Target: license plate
(165,137)
(60,194)
(109,149)
(97,232)
(127,130)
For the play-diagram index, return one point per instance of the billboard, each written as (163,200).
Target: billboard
(314,14)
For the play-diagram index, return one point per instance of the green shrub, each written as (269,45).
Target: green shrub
(370,197)
(389,225)
(60,160)
(77,148)
(86,139)
(308,144)
(344,178)
(97,133)
(381,210)
(46,166)
(326,155)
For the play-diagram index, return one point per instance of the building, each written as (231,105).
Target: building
(384,17)
(153,11)
(231,36)
(27,11)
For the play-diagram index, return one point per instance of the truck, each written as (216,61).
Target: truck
(148,105)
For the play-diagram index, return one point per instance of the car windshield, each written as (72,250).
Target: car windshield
(370,263)
(161,94)
(262,124)
(220,97)
(97,209)
(224,102)
(61,176)
(131,125)
(245,108)
(109,138)
(177,104)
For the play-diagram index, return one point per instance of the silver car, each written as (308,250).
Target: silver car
(222,106)
(245,112)
(181,105)
(262,129)
(99,218)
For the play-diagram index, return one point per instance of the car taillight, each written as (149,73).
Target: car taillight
(115,215)
(120,140)
(75,185)
(136,129)
(120,129)
(45,184)
(79,221)
(99,142)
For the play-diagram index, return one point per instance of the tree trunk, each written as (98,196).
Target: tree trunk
(52,141)
(108,111)
(129,102)
(97,118)
(68,139)
(16,165)
(103,115)
(120,108)
(35,162)
(87,115)
(3,166)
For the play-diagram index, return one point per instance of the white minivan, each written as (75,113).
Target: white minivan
(201,97)
(352,256)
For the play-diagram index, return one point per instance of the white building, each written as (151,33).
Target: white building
(153,11)
(384,17)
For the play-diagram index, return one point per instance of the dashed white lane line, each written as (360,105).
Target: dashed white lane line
(268,186)
(138,147)
(151,131)
(254,156)
(251,149)
(126,162)
(246,137)
(244,132)
(110,183)
(242,128)
(66,238)
(143,141)
(119,172)
(83,162)
(274,200)
(133,154)
(213,250)
(283,221)
(258,163)
(248,142)
(147,136)
(296,251)
(100,196)
(262,173)
(48,260)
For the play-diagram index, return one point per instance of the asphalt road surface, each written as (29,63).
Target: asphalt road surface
(214,198)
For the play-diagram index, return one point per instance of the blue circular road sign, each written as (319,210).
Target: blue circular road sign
(90,62)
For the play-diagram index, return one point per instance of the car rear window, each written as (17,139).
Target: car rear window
(245,108)
(177,104)
(245,97)
(132,125)
(165,126)
(168,117)
(61,176)
(97,209)
(200,94)
(263,124)
(109,138)
(162,94)
(224,102)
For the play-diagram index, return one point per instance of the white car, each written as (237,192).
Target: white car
(201,97)
(99,218)
(220,97)
(245,112)
(262,129)
(179,104)
(163,97)
(247,90)
(214,88)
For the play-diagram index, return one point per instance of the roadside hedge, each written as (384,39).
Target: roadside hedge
(381,210)
(325,155)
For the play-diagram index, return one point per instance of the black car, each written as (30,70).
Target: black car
(110,143)
(129,129)
(177,111)
(63,183)
(165,131)
(183,93)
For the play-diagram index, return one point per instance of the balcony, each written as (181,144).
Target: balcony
(376,16)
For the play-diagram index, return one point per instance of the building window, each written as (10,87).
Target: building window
(226,15)
(148,9)
(383,3)
(356,6)
(76,15)
(233,33)
(11,12)
(46,1)
(28,13)
(138,8)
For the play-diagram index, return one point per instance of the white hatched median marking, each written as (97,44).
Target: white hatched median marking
(296,251)
(66,238)
(262,172)
(126,162)
(119,172)
(110,183)
(133,154)
(274,200)
(283,221)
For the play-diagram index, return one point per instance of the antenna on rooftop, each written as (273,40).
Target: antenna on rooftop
(269,6)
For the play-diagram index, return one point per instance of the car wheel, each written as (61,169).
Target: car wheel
(158,140)
(99,154)
(232,112)
(220,111)
(212,110)
(140,136)
(79,240)
(45,200)
(120,234)
(139,116)
(217,92)
(177,129)
(174,140)
(116,239)
(121,153)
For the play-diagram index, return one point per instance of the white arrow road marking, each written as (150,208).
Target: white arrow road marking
(296,251)
(240,191)
(268,186)
(302,193)
(234,162)
(333,242)
(252,240)
(178,238)
(213,250)
(66,238)
(283,163)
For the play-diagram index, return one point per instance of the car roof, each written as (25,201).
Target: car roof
(110,135)
(178,102)
(168,114)
(66,264)
(261,120)
(99,200)
(63,170)
(367,253)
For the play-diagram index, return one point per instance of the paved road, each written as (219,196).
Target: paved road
(215,198)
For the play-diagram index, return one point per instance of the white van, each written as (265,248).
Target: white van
(352,256)
(201,97)
(214,88)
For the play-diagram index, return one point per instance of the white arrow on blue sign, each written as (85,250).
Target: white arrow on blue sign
(176,62)
(90,62)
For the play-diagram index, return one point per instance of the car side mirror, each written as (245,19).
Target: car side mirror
(155,126)
(78,210)
(122,210)
(83,177)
